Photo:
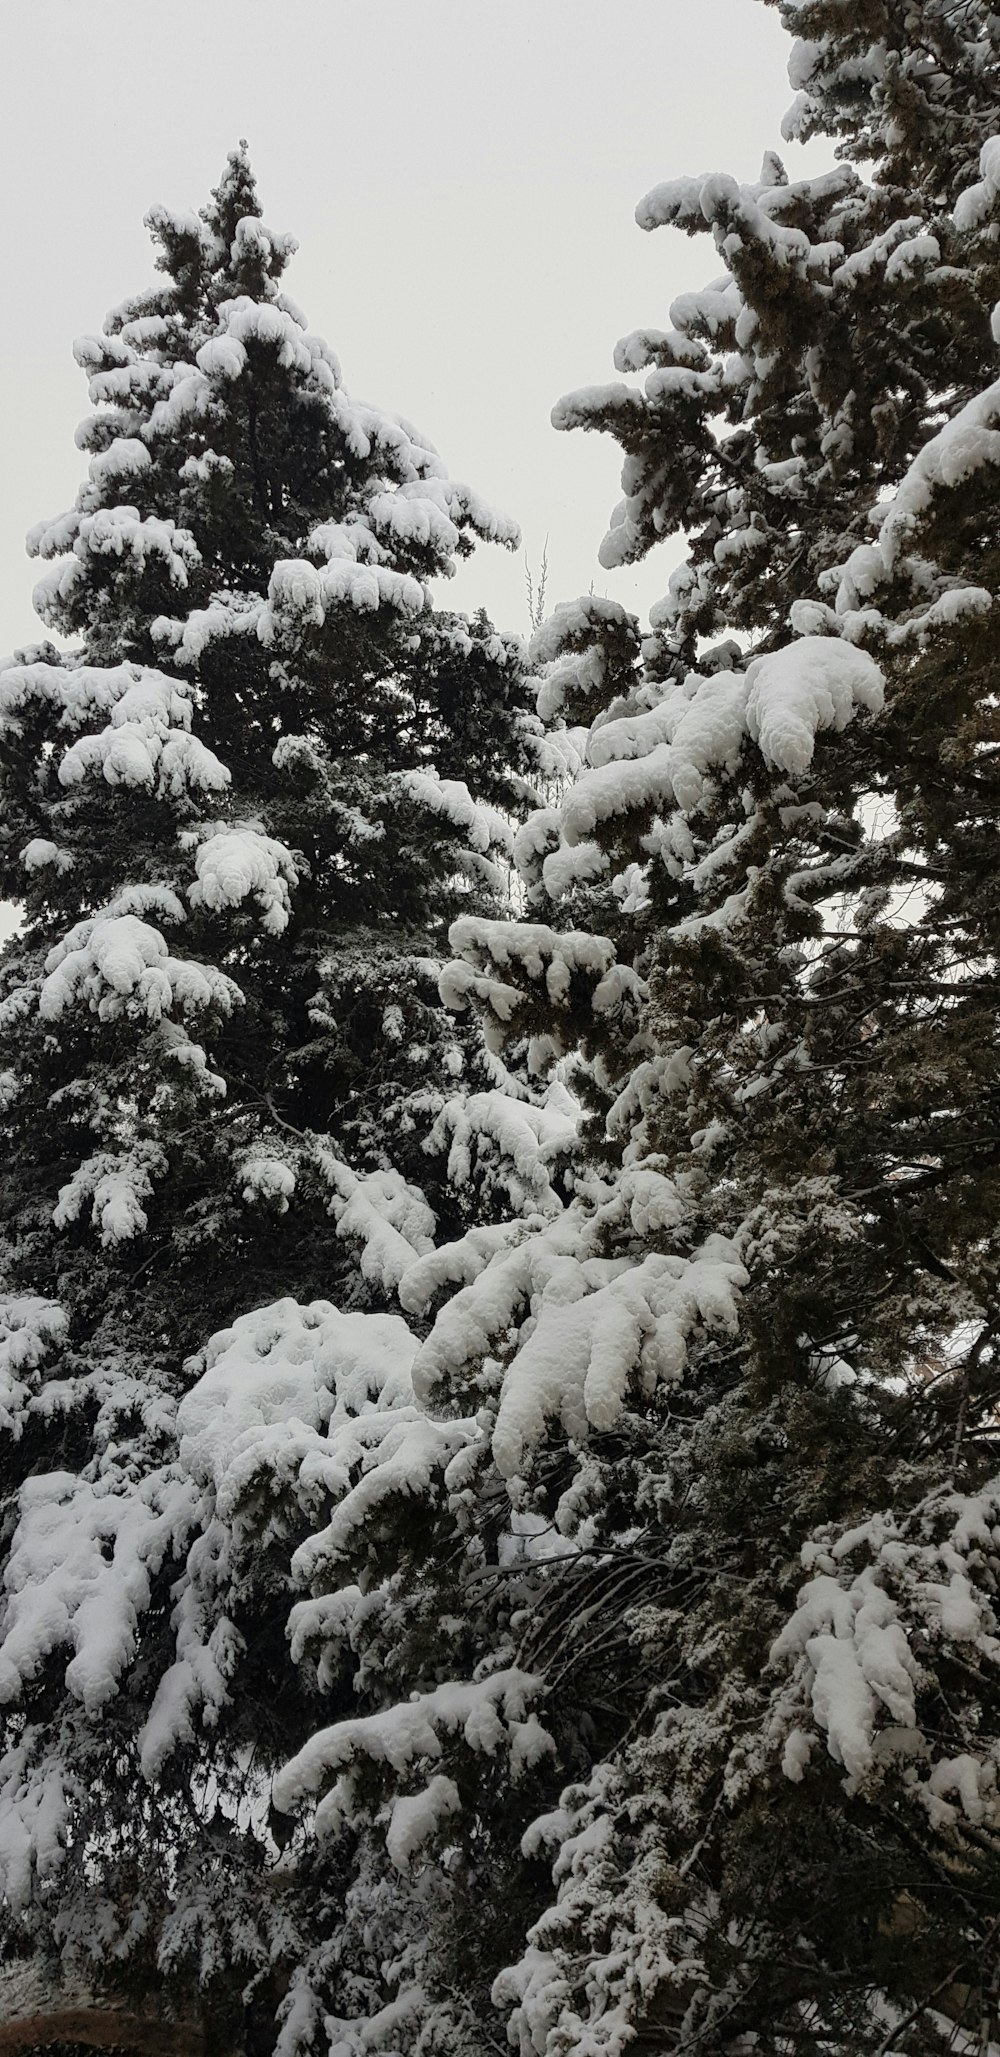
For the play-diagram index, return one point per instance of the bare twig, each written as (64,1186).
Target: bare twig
(536,599)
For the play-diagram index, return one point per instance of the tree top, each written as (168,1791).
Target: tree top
(235,196)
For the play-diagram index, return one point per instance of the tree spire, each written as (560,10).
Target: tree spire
(235,197)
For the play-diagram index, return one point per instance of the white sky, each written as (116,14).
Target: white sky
(461,177)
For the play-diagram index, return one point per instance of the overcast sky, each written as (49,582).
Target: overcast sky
(461,177)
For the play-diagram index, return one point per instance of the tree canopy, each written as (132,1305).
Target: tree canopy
(596,1644)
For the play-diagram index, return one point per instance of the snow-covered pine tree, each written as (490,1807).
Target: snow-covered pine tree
(237,813)
(591,1740)
(695,1654)
(263,733)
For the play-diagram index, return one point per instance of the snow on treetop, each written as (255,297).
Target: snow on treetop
(148,743)
(313,1365)
(580,1358)
(484,1712)
(31,1329)
(695,203)
(815,683)
(663,755)
(155,398)
(119,965)
(576,621)
(851,1659)
(968,443)
(386,1218)
(974,206)
(645,347)
(81,692)
(530,1139)
(139,754)
(239,861)
(78,1575)
(487,949)
(483,826)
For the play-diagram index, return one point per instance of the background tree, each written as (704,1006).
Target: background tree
(236,813)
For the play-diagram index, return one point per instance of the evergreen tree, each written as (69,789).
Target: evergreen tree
(648,1602)
(236,813)
(263,733)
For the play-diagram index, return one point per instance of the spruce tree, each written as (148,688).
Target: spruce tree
(263,733)
(236,814)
